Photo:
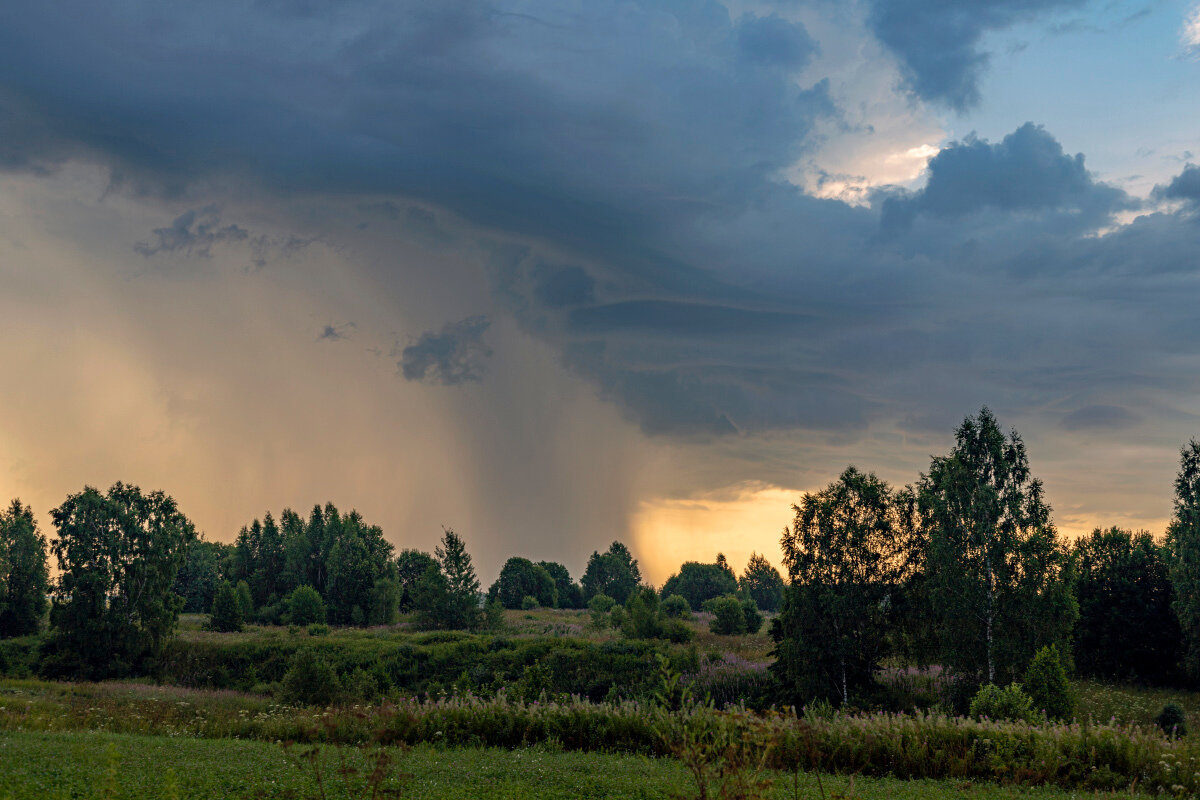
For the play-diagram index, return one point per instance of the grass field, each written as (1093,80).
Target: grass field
(50,766)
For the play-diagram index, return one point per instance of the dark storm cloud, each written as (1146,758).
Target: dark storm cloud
(938,41)
(1025,172)
(624,160)
(455,354)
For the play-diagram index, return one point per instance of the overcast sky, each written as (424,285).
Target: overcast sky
(554,273)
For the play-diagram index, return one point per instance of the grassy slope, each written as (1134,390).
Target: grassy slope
(48,766)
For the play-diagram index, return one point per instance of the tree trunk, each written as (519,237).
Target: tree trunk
(991,612)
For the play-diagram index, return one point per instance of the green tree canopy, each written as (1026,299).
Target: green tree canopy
(1127,629)
(520,577)
(846,554)
(305,606)
(199,575)
(997,575)
(24,574)
(447,595)
(227,614)
(118,554)
(697,583)
(614,573)
(762,582)
(410,566)
(570,593)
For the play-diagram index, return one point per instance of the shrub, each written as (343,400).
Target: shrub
(226,613)
(616,617)
(729,619)
(676,607)
(272,613)
(602,603)
(318,629)
(1046,683)
(1008,703)
(305,606)
(310,680)
(493,615)
(753,617)
(1172,720)
(676,631)
(529,602)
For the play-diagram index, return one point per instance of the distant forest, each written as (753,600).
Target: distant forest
(963,569)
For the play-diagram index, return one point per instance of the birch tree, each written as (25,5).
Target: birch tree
(846,555)
(997,574)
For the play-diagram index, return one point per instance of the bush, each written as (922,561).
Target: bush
(493,615)
(1046,683)
(601,603)
(676,631)
(753,617)
(310,680)
(529,602)
(318,629)
(616,617)
(1009,703)
(305,606)
(676,607)
(226,615)
(1172,720)
(729,619)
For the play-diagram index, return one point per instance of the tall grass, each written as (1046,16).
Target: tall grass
(1092,756)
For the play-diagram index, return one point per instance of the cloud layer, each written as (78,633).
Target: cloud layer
(608,181)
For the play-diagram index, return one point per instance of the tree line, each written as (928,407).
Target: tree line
(965,569)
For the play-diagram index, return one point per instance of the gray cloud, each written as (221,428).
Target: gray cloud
(193,232)
(336,333)
(624,161)
(1025,172)
(455,354)
(197,230)
(1184,186)
(938,42)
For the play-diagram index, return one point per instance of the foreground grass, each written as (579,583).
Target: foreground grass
(50,766)
(1133,704)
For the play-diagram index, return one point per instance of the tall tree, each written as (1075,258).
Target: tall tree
(1183,537)
(266,582)
(358,556)
(997,575)
(462,609)
(24,574)
(410,567)
(1127,629)
(762,582)
(521,578)
(200,574)
(846,554)
(614,573)
(570,594)
(118,554)
(696,582)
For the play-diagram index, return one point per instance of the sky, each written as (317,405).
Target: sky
(557,273)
